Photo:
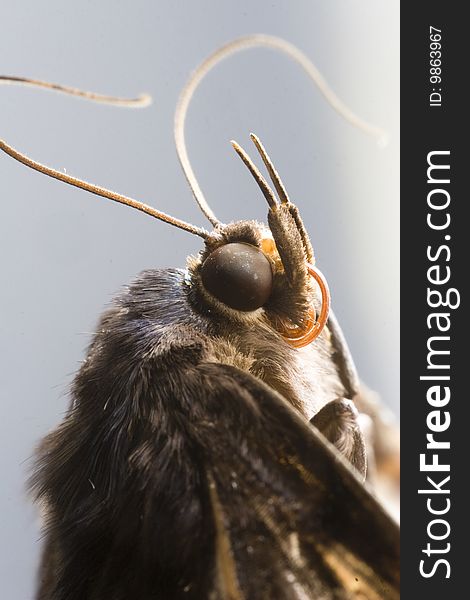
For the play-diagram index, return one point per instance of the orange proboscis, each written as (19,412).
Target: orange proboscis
(298,337)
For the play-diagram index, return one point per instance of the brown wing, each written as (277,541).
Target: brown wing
(188,479)
(291,518)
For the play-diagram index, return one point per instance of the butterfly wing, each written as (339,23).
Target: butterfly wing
(292,520)
(175,477)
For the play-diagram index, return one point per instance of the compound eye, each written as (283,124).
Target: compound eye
(239,275)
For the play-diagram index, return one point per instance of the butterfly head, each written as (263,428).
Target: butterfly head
(250,271)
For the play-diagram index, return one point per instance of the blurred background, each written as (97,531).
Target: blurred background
(65,253)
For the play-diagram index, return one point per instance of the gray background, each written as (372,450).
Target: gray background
(65,253)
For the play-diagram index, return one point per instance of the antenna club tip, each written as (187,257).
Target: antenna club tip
(145,100)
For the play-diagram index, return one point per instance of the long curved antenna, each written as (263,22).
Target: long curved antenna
(139,102)
(100,191)
(245,43)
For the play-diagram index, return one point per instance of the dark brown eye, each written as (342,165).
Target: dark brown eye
(238,275)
